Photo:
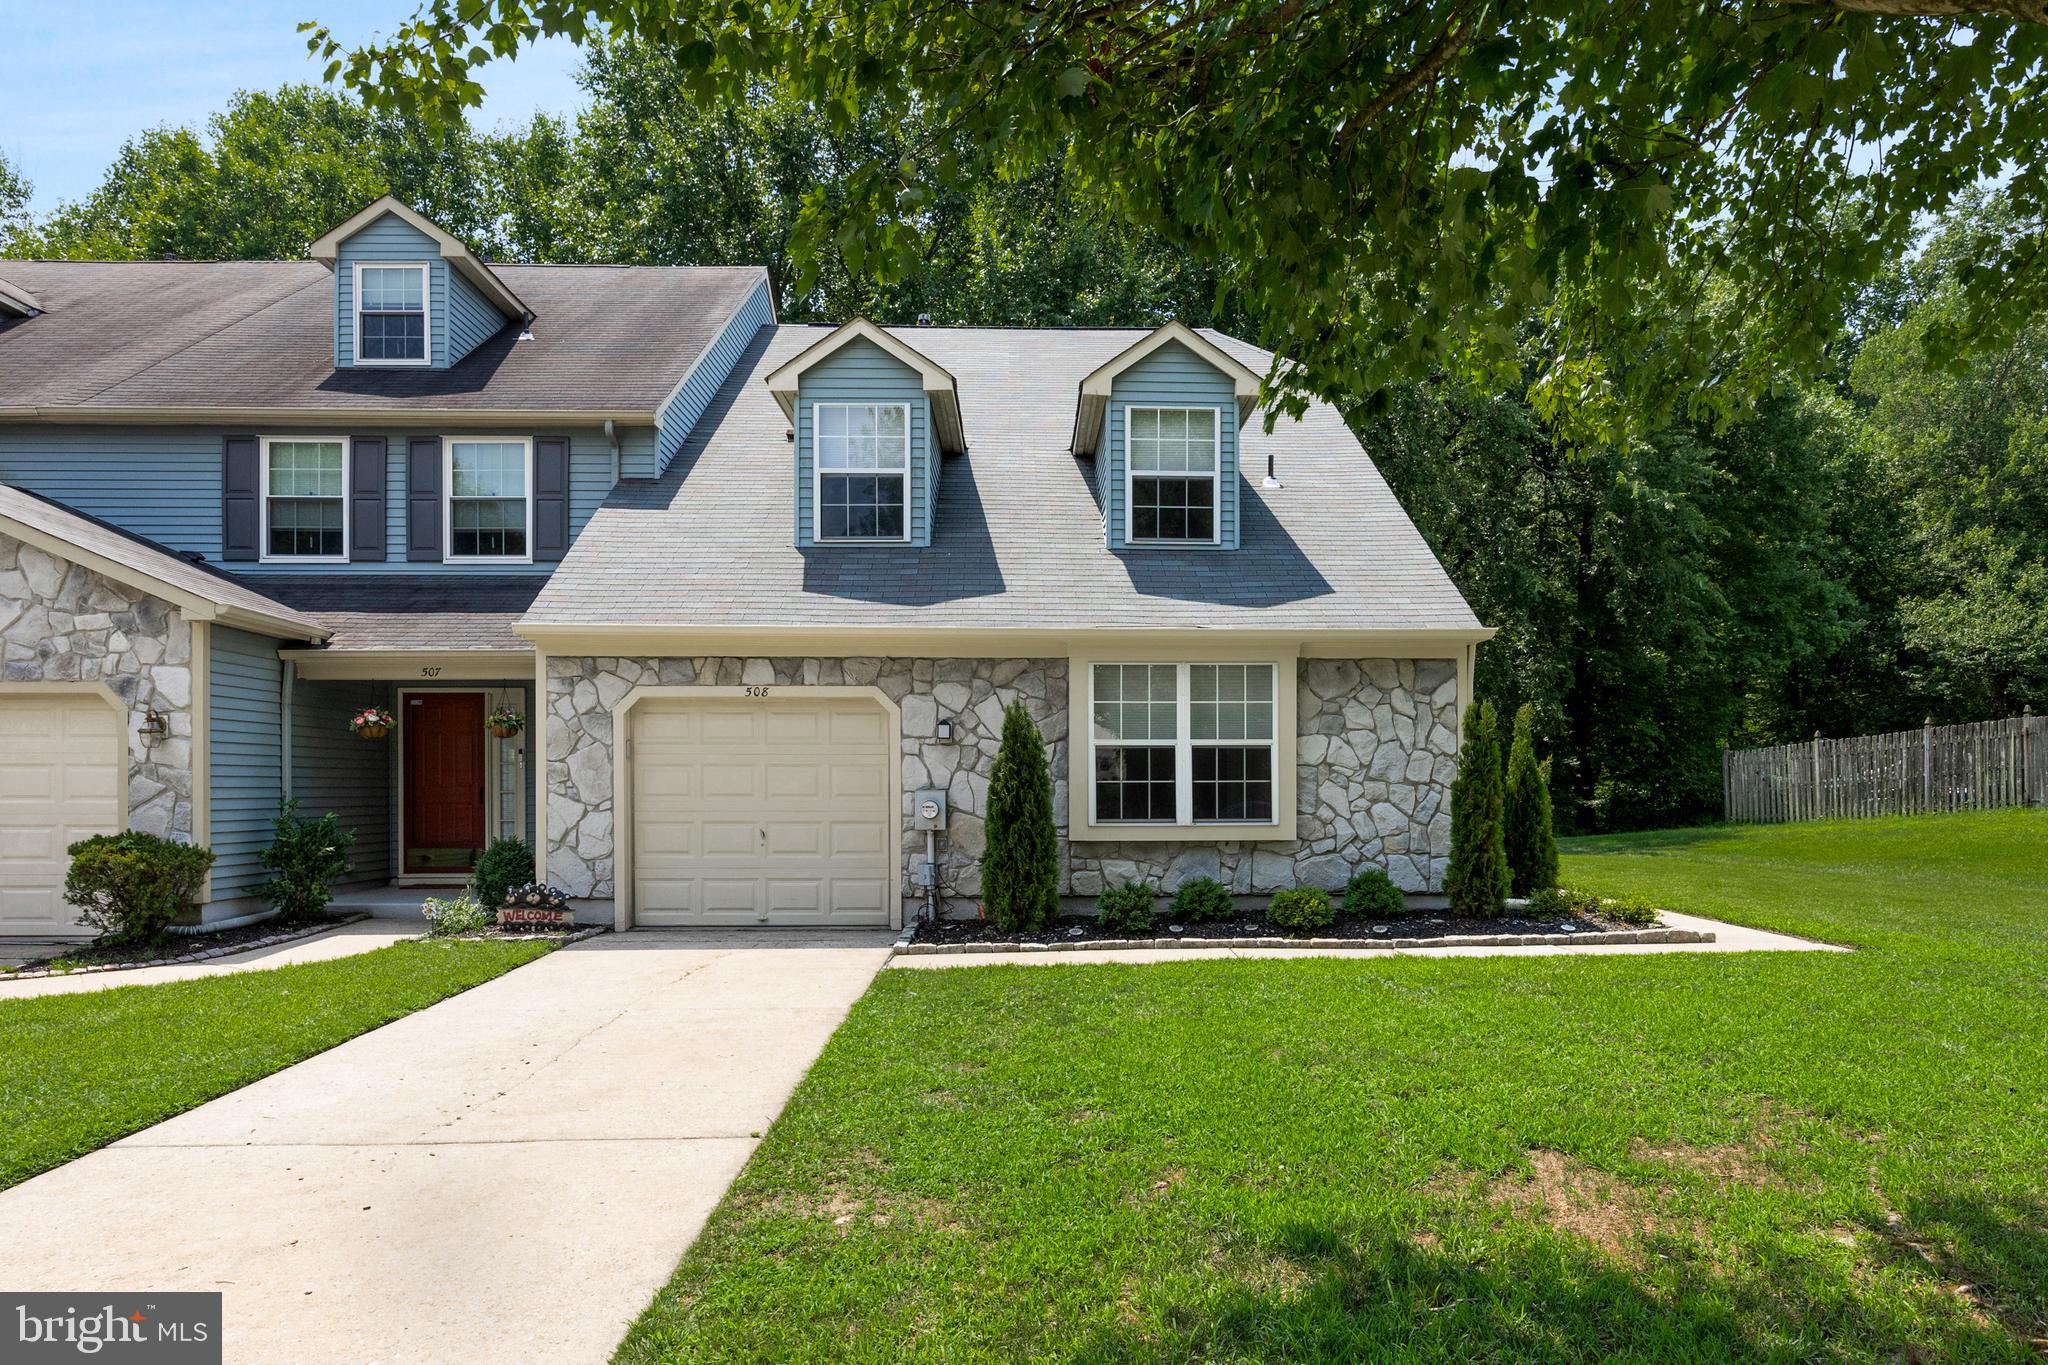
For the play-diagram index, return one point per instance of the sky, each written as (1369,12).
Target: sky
(82,76)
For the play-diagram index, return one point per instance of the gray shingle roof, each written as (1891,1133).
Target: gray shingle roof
(1018,541)
(260,334)
(448,612)
(143,557)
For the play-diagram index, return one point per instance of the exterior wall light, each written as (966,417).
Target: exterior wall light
(946,729)
(154,727)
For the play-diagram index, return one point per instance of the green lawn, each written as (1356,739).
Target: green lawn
(78,1071)
(1674,1157)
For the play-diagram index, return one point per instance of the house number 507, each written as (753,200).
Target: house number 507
(430,672)
(757,691)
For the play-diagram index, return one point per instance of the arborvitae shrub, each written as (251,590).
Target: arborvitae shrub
(1530,842)
(1020,859)
(1477,879)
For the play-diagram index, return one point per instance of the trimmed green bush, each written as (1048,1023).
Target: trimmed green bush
(1527,836)
(1477,879)
(1201,900)
(1561,902)
(1301,910)
(462,915)
(1629,910)
(131,886)
(506,863)
(304,858)
(1372,895)
(1020,858)
(1125,910)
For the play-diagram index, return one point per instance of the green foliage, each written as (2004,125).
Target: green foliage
(1628,179)
(505,864)
(1301,910)
(305,856)
(1202,900)
(1529,840)
(1125,910)
(455,915)
(1371,894)
(1020,863)
(1629,910)
(1562,902)
(131,886)
(1477,878)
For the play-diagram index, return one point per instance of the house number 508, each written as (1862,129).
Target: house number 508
(757,691)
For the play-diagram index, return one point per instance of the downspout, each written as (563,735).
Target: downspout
(284,708)
(611,433)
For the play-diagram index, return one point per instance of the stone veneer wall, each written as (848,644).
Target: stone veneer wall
(1376,752)
(60,622)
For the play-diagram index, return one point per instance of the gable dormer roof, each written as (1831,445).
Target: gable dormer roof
(937,382)
(16,302)
(1095,388)
(460,258)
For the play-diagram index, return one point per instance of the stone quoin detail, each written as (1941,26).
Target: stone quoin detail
(70,624)
(1376,751)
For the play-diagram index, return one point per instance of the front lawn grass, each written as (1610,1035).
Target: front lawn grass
(79,1071)
(1658,1157)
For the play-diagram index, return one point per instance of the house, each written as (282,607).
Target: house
(759,591)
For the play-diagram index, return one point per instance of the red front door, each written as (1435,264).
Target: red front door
(444,780)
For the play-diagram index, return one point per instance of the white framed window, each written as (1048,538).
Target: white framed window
(860,471)
(392,314)
(1182,744)
(488,503)
(305,499)
(1173,463)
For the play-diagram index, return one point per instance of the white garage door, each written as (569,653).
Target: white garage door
(61,766)
(774,811)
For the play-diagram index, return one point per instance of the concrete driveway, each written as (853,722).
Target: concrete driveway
(507,1175)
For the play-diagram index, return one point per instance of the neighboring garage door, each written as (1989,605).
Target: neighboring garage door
(61,763)
(774,811)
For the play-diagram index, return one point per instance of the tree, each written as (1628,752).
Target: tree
(1529,841)
(1020,861)
(1477,879)
(15,192)
(1394,190)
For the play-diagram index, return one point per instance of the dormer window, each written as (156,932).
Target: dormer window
(1173,474)
(391,314)
(863,471)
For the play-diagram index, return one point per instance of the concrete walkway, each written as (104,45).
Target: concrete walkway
(361,937)
(507,1175)
(1728,938)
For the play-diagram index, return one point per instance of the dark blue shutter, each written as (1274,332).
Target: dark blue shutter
(366,499)
(423,498)
(550,498)
(241,498)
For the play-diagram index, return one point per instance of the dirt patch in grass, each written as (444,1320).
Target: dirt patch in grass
(1570,1196)
(1733,1162)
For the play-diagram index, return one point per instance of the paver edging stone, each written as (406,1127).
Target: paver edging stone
(905,948)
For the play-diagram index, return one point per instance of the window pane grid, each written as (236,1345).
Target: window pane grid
(392,312)
(303,499)
(863,454)
(487,501)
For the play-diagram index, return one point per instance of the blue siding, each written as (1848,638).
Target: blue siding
(1171,377)
(472,319)
(246,777)
(390,240)
(332,770)
(862,372)
(164,483)
(693,395)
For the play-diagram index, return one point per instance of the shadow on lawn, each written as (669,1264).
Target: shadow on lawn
(1374,1295)
(1646,841)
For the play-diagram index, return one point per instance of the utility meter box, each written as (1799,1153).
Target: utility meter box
(928,810)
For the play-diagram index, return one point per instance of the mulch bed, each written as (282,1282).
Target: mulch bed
(177,948)
(1083,929)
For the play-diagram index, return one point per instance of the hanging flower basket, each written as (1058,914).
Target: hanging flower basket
(505,722)
(372,722)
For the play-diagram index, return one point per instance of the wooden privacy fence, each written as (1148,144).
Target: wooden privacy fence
(1934,768)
